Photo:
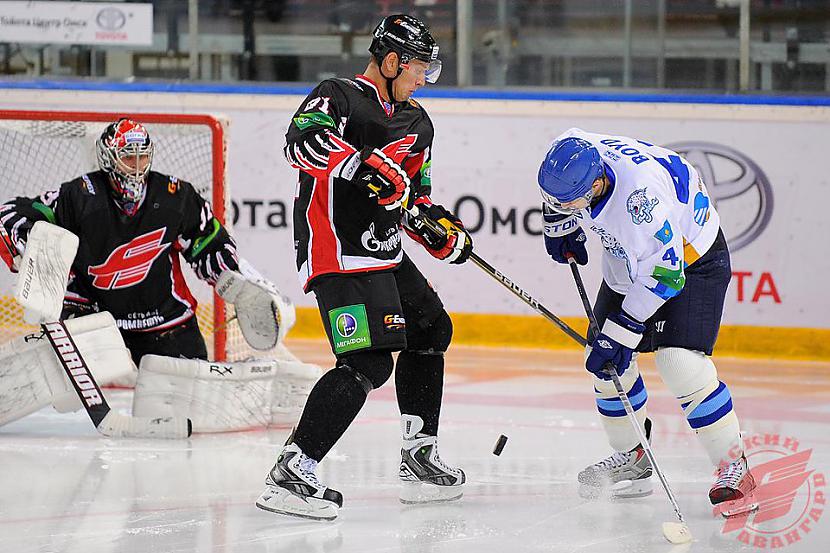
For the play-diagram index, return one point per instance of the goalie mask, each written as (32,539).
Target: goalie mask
(125,153)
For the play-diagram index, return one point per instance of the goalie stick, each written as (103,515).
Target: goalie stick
(110,423)
(674,532)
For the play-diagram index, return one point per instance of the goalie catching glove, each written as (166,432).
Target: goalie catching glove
(264,316)
(453,245)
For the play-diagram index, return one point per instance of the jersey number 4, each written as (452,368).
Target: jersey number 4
(670,256)
(679,173)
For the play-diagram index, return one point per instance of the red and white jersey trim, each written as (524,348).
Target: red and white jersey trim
(358,263)
(365,80)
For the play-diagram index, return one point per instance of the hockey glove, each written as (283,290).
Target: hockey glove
(454,245)
(620,336)
(563,235)
(385,179)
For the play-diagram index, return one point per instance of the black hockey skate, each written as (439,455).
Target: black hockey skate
(426,478)
(292,488)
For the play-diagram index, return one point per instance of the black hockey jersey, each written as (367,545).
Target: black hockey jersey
(338,226)
(130,265)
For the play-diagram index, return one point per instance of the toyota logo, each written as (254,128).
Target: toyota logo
(739,189)
(111,19)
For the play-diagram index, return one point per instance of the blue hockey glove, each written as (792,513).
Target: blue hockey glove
(616,343)
(563,235)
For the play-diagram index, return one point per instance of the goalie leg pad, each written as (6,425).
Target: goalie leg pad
(621,434)
(220,397)
(31,378)
(693,379)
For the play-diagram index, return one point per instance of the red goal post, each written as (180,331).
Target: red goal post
(39,150)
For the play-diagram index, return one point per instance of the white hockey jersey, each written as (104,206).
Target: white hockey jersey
(655,220)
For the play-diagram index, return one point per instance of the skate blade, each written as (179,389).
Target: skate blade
(414,493)
(624,489)
(737,510)
(281,501)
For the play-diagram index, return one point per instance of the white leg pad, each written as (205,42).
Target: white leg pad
(693,379)
(220,397)
(31,377)
(621,434)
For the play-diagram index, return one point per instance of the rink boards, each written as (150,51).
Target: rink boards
(760,158)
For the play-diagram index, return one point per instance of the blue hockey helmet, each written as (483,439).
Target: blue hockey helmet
(568,172)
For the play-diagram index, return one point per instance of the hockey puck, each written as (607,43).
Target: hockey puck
(500,443)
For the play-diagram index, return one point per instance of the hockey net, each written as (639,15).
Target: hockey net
(39,150)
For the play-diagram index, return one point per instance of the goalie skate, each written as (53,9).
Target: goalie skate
(425,477)
(733,492)
(292,488)
(619,476)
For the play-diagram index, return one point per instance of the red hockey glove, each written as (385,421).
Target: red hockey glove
(454,245)
(385,178)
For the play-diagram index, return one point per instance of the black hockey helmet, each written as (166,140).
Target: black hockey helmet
(408,37)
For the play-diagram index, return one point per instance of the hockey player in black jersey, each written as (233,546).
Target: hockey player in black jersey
(363,149)
(133,225)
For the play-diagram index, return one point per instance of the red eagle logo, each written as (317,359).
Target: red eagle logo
(130,263)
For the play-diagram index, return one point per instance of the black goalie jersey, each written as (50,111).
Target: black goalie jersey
(130,265)
(338,227)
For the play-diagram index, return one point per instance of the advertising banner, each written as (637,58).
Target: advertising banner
(76,23)
(761,165)
(758,173)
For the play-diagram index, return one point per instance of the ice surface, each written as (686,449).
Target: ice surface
(64,488)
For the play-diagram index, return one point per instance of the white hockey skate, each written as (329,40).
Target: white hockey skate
(733,492)
(425,477)
(622,475)
(292,488)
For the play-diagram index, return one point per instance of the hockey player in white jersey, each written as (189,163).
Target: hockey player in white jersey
(666,268)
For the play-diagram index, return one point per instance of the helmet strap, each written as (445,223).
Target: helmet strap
(390,81)
(603,190)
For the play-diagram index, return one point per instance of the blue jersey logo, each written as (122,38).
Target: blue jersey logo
(665,234)
(701,208)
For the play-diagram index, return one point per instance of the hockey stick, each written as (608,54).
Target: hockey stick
(675,532)
(108,422)
(224,324)
(503,279)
